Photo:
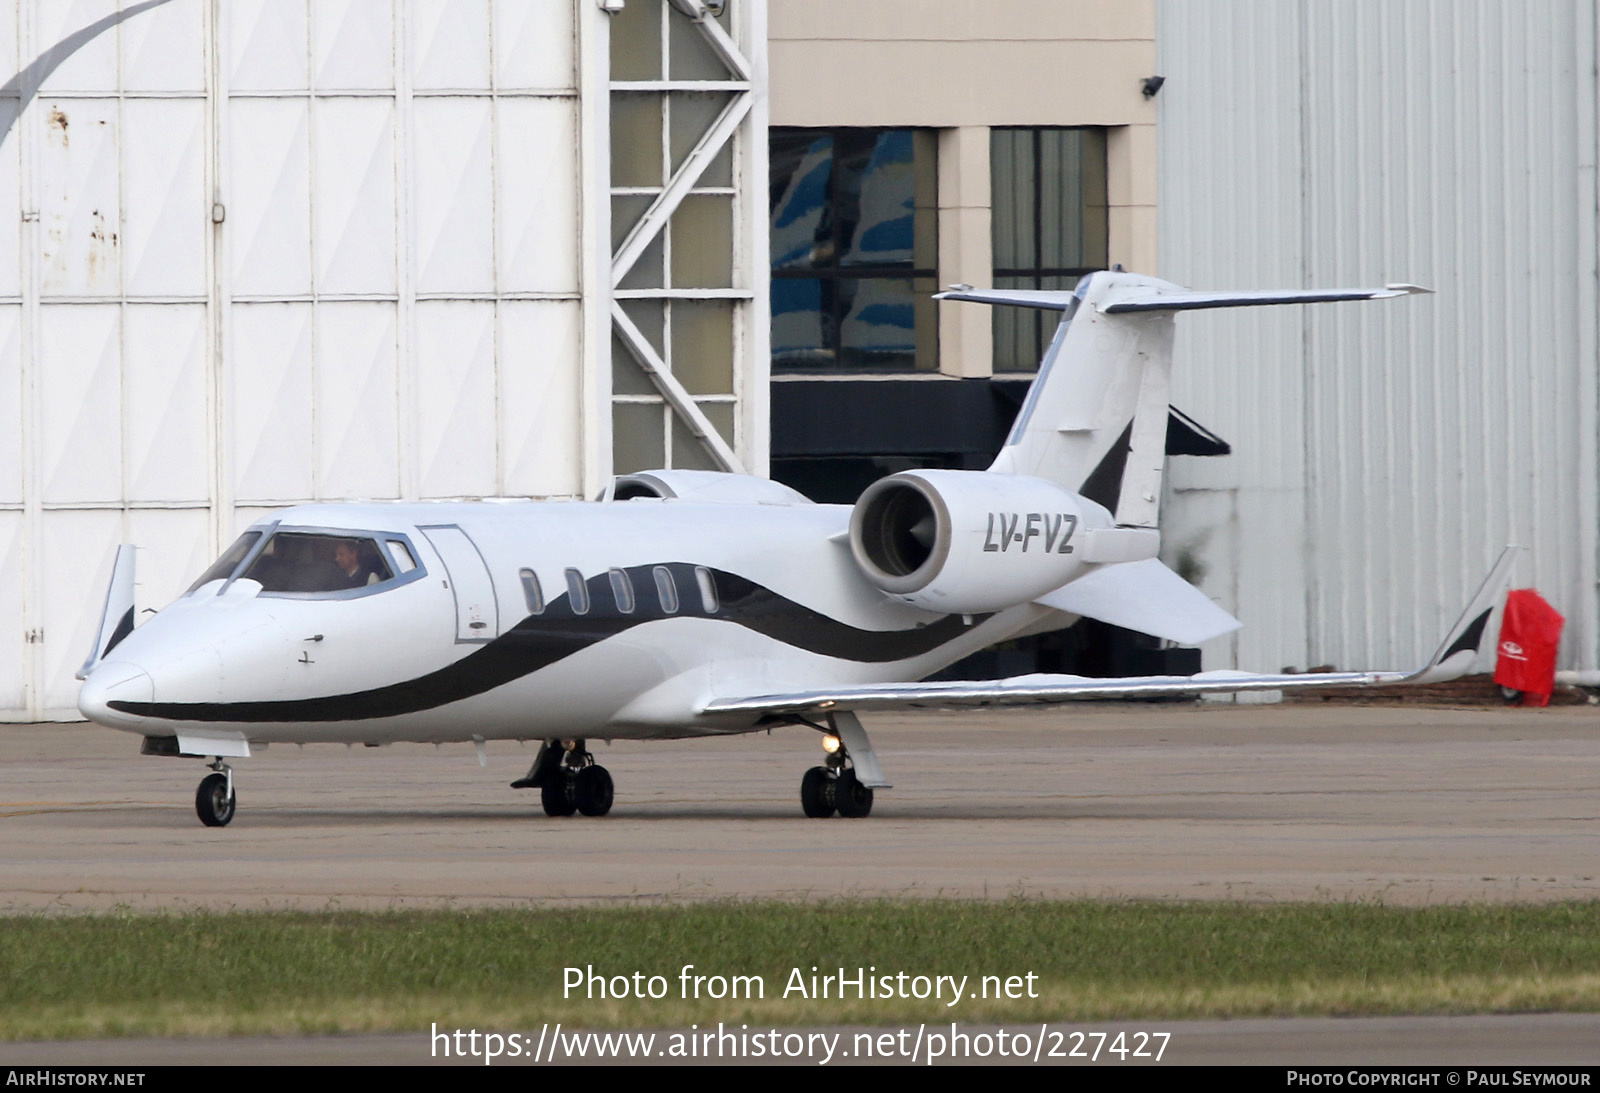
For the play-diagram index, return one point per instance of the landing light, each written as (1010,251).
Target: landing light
(830,743)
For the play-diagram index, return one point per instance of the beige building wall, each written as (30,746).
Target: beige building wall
(961,67)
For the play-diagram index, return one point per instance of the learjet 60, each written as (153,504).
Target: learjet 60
(691,603)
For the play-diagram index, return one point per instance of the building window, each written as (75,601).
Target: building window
(854,222)
(1048,199)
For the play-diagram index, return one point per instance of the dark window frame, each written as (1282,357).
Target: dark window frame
(1043,322)
(834,307)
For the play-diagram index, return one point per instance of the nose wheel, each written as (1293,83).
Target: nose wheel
(569,780)
(214,801)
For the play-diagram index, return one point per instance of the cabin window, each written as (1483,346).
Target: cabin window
(294,561)
(622,589)
(401,553)
(532,593)
(577,592)
(708,589)
(666,590)
(224,566)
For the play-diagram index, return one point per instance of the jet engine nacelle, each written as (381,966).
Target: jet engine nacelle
(969,541)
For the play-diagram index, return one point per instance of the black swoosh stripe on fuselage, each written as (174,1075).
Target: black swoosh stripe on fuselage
(558,632)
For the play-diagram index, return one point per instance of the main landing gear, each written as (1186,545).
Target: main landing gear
(214,800)
(568,780)
(836,786)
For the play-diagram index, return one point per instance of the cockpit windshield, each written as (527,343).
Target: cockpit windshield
(296,561)
(224,566)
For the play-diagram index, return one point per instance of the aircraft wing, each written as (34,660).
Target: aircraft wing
(1455,656)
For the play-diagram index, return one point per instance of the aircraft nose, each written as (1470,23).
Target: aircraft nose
(115,681)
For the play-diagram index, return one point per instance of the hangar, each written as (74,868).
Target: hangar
(257,253)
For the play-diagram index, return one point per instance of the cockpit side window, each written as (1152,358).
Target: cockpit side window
(401,554)
(224,566)
(302,562)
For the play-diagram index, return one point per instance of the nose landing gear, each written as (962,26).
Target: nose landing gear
(568,780)
(214,800)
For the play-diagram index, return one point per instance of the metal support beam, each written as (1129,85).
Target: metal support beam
(746,90)
(677,397)
(694,165)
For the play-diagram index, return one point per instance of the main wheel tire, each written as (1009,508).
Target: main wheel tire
(556,795)
(212,801)
(816,793)
(592,791)
(854,799)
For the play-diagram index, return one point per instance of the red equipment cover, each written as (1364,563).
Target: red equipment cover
(1529,634)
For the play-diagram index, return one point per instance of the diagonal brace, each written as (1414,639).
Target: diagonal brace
(666,203)
(677,397)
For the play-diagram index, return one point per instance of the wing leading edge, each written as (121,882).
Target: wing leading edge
(1453,658)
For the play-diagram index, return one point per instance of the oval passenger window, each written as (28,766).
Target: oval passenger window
(708,589)
(577,592)
(622,589)
(532,593)
(666,590)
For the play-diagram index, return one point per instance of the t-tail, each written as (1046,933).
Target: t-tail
(1095,419)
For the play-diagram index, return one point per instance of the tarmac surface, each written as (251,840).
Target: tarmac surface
(1246,802)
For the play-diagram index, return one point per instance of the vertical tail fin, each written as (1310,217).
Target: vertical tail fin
(1095,419)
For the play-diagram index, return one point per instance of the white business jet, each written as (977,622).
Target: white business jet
(689,603)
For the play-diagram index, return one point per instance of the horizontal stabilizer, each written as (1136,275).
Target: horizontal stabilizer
(1144,596)
(1142,299)
(1044,299)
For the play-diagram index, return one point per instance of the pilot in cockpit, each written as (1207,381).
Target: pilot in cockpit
(357,574)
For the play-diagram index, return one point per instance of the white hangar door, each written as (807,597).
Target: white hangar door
(477,613)
(256,253)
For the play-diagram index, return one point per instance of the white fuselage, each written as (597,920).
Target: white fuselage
(768,599)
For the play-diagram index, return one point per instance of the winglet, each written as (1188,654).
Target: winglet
(1459,650)
(116,618)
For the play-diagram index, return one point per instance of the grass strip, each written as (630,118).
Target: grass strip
(262,973)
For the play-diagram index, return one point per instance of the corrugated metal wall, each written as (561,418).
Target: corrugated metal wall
(1383,451)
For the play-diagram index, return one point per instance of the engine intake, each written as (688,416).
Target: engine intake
(968,541)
